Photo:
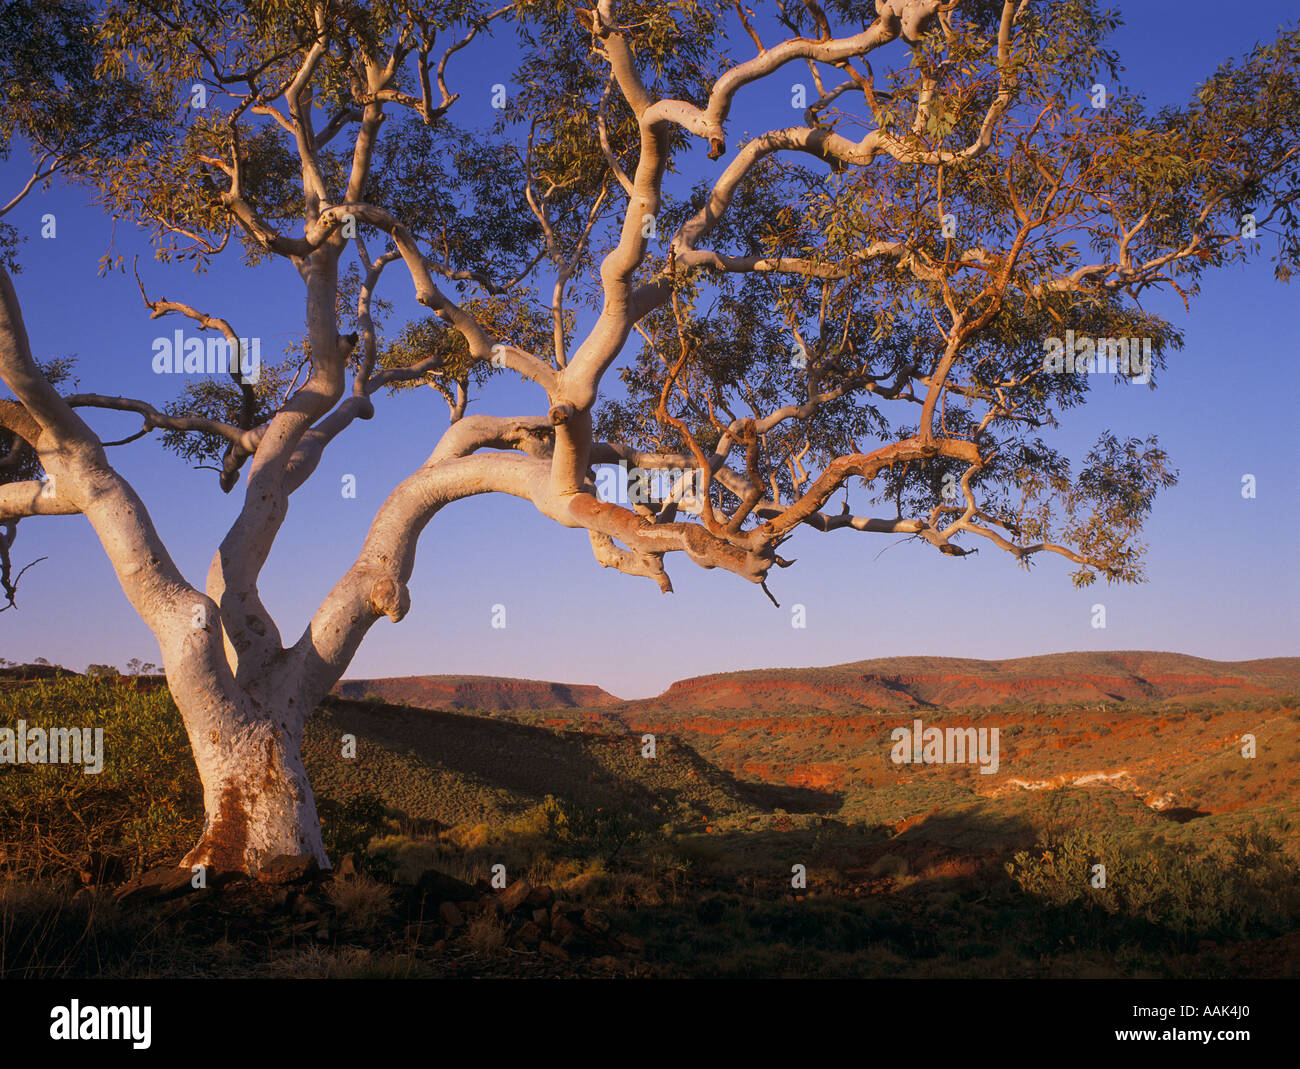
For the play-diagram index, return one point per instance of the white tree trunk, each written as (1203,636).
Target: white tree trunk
(257,801)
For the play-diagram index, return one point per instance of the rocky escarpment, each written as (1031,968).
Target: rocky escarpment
(950,682)
(475,692)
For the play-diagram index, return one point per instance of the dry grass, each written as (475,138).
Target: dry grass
(485,934)
(362,904)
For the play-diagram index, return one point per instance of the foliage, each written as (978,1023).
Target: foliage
(349,826)
(607,834)
(144,807)
(1249,890)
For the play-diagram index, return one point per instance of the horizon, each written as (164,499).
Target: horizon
(347,677)
(350,678)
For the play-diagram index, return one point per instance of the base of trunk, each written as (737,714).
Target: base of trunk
(259,807)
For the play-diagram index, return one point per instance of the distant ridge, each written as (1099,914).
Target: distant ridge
(476,692)
(882,683)
(919,682)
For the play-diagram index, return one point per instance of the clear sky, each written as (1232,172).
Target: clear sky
(1222,569)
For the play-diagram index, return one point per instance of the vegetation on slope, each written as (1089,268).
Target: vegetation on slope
(917,874)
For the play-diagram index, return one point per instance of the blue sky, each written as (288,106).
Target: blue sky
(1222,572)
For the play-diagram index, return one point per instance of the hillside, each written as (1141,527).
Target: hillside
(681,864)
(475,692)
(951,682)
(887,683)
(452,768)
(1155,734)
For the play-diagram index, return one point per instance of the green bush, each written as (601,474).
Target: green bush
(600,833)
(348,828)
(1252,889)
(146,805)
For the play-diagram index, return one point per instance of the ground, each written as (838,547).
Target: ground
(542,843)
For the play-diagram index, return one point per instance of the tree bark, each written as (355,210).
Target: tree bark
(257,800)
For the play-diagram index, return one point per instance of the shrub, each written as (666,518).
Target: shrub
(145,806)
(1163,891)
(890,865)
(348,827)
(360,904)
(586,832)
(485,934)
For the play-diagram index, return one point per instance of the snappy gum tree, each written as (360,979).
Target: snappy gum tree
(858,296)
